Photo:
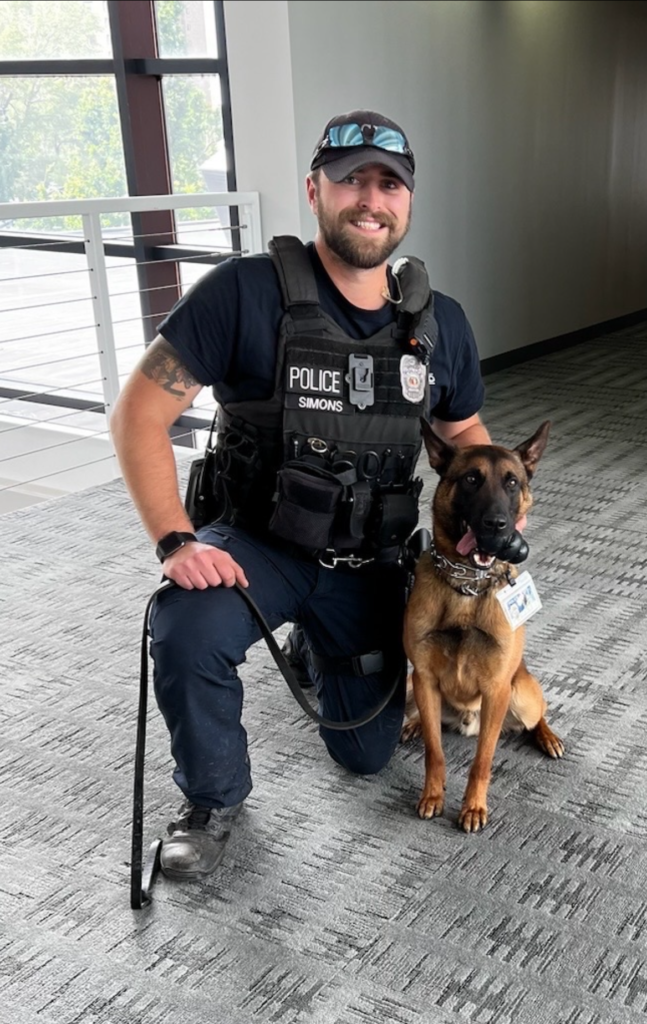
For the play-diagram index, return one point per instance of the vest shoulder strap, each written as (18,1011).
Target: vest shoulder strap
(301,297)
(295,273)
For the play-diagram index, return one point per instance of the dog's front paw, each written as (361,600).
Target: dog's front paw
(431,805)
(473,817)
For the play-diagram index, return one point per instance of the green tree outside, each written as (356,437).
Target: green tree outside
(60,138)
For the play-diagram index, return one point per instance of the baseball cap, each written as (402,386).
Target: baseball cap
(349,141)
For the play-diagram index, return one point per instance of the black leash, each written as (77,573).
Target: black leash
(143,874)
(291,680)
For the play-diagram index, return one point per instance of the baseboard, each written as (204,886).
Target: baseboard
(543,348)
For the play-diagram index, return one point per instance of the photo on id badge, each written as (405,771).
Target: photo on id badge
(522,601)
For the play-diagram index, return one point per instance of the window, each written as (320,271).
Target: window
(106,98)
(76,74)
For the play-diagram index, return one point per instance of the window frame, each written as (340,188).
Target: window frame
(138,70)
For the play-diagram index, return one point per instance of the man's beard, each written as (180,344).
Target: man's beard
(362,253)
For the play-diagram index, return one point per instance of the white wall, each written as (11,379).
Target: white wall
(260,78)
(527,118)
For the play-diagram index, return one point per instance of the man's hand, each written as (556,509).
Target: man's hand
(197,566)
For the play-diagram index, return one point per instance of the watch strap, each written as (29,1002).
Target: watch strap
(172,542)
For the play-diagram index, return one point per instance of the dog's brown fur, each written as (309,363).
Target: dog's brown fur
(463,651)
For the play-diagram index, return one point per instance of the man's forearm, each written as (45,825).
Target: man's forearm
(148,465)
(476,434)
(464,433)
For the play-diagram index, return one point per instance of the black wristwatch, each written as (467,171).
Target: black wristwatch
(171,543)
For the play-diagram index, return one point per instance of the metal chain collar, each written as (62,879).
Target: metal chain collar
(469,577)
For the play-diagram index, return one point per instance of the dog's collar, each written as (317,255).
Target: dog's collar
(472,581)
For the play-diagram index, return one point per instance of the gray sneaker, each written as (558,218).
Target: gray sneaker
(197,841)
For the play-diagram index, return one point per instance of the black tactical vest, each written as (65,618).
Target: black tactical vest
(327,463)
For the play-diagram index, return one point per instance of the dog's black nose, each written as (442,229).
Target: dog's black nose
(495,523)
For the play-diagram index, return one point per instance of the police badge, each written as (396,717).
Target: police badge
(412,378)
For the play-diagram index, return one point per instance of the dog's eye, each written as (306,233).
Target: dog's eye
(512,483)
(472,479)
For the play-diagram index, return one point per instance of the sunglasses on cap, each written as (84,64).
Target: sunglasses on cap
(342,136)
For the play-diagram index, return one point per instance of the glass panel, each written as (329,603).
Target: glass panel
(186,28)
(206,231)
(48,334)
(60,139)
(196,146)
(47,326)
(125,306)
(57,30)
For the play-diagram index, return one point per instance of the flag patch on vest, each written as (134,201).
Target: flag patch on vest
(412,378)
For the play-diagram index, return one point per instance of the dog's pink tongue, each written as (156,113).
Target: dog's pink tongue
(466,543)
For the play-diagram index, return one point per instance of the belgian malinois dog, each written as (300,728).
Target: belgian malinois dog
(466,656)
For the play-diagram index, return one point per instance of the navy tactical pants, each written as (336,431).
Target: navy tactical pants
(200,637)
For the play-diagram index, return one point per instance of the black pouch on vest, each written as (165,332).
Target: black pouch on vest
(398,518)
(199,497)
(199,500)
(307,499)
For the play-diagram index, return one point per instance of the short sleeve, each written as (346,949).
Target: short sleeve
(203,325)
(463,393)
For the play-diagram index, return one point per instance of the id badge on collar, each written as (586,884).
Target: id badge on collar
(519,600)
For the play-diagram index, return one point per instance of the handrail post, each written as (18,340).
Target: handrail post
(100,292)
(251,235)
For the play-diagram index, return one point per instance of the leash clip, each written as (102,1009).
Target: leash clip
(352,561)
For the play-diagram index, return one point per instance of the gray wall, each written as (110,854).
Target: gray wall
(529,124)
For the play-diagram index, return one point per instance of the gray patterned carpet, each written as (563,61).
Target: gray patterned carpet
(335,904)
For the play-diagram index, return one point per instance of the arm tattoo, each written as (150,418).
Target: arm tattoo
(162,365)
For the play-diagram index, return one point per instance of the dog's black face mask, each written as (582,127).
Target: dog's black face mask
(489,495)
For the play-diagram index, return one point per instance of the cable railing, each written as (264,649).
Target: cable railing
(78,304)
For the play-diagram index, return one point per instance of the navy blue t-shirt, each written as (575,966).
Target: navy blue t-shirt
(225,331)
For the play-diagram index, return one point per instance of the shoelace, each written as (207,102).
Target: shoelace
(190,818)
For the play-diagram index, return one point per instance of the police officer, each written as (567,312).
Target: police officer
(321,389)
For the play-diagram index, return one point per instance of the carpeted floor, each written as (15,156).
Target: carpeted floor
(336,904)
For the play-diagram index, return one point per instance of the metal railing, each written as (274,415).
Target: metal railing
(83,285)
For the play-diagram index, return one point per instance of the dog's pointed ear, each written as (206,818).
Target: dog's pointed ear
(532,450)
(440,453)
